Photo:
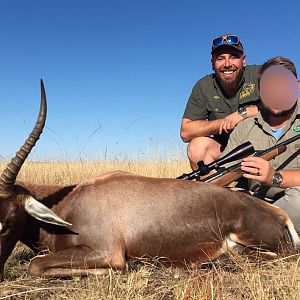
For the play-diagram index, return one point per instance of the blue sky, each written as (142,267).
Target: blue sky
(118,73)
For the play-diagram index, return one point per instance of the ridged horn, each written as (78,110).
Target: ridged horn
(9,175)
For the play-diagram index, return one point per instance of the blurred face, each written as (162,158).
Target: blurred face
(228,64)
(268,111)
(279,90)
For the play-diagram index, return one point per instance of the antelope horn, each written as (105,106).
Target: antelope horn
(9,175)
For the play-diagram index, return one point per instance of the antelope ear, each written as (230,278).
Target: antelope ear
(42,213)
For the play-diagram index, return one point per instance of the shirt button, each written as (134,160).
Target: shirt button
(274,165)
(216,109)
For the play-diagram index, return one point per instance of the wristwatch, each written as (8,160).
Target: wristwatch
(277,179)
(243,112)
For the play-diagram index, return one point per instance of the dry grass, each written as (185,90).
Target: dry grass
(72,172)
(239,279)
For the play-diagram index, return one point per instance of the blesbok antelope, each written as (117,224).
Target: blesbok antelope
(98,224)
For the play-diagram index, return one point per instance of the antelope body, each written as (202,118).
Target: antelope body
(99,224)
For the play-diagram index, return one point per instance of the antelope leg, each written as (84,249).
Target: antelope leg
(79,260)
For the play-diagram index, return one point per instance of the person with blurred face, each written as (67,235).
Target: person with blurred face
(277,180)
(219,101)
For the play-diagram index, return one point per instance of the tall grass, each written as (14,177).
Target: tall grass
(238,279)
(71,172)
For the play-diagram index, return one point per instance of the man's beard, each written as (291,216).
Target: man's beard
(229,83)
(266,111)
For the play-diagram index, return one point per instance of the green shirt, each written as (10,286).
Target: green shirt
(207,101)
(259,133)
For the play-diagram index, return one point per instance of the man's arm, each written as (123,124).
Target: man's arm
(290,178)
(192,129)
(252,110)
(230,122)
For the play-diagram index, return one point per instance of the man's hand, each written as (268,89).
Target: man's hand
(228,123)
(259,169)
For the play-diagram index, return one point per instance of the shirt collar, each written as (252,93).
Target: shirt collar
(296,114)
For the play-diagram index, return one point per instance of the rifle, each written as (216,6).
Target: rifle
(239,152)
(228,175)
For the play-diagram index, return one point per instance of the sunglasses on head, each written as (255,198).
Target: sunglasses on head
(226,40)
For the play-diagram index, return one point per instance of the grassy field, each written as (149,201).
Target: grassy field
(238,279)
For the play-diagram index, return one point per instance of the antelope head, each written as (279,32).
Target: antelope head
(15,202)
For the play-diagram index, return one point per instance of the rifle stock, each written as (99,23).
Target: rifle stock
(233,173)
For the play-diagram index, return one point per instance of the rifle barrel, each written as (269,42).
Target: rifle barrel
(284,143)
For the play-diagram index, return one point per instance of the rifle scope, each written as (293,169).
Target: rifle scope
(239,152)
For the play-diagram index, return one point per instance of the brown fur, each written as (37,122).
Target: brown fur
(119,216)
